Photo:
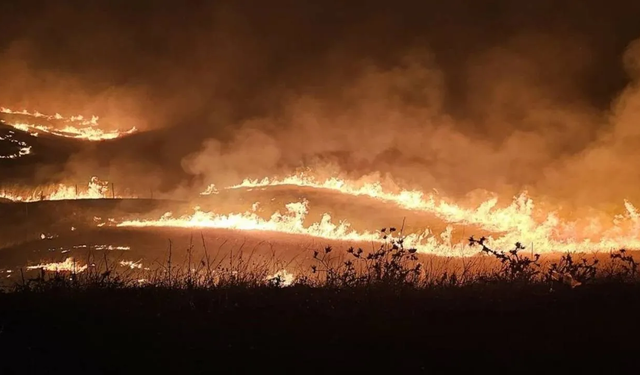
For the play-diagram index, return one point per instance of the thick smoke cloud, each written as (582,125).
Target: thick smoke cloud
(606,168)
(455,95)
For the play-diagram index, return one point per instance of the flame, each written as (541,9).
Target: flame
(96,189)
(283,277)
(211,189)
(414,200)
(22,151)
(543,232)
(548,236)
(76,127)
(131,264)
(521,221)
(292,222)
(69,265)
(111,247)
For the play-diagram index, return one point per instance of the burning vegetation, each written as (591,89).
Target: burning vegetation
(541,228)
(16,148)
(520,221)
(76,127)
(95,189)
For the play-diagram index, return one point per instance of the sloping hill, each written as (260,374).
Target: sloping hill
(40,159)
(23,155)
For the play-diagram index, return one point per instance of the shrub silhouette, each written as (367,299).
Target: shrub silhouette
(514,266)
(391,264)
(624,266)
(571,273)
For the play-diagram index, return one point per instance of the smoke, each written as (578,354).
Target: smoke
(605,169)
(445,95)
(34,88)
(523,114)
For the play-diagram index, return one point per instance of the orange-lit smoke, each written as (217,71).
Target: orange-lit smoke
(526,126)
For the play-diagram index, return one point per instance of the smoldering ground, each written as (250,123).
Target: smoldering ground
(457,96)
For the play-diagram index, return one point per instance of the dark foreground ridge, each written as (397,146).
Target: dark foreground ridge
(302,328)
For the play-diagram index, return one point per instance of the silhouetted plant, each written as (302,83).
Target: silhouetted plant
(335,275)
(570,272)
(514,266)
(448,279)
(392,263)
(625,262)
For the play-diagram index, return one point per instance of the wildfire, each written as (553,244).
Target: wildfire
(292,222)
(23,148)
(282,278)
(131,264)
(77,127)
(289,222)
(96,189)
(111,247)
(211,189)
(520,216)
(69,265)
(516,221)
(516,217)
(519,222)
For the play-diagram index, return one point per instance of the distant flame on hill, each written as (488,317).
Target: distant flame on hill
(77,127)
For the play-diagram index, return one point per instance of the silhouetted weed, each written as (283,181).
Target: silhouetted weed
(514,266)
(624,266)
(390,264)
(572,273)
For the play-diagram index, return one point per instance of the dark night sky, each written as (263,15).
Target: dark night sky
(495,71)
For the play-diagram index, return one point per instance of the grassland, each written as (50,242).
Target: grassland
(353,310)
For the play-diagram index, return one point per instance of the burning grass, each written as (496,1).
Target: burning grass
(94,189)
(77,127)
(521,220)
